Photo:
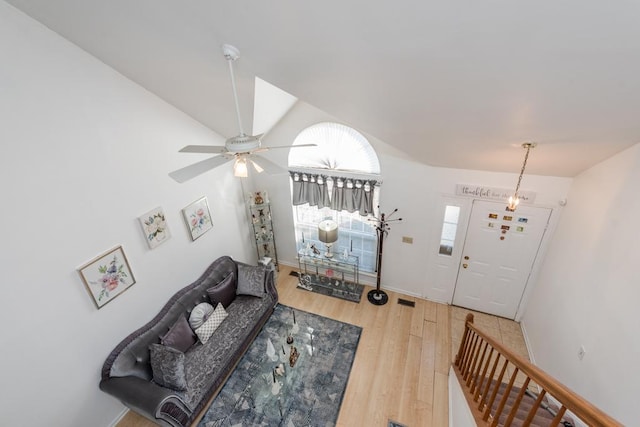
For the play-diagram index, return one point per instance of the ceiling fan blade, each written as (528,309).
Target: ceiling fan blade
(209,149)
(262,149)
(191,171)
(267,165)
(297,146)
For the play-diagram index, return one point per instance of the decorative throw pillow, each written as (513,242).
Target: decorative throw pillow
(180,336)
(167,365)
(200,314)
(250,280)
(224,292)
(205,331)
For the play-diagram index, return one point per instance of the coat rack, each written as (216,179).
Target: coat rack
(377,296)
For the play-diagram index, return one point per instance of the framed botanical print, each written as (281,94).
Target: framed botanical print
(107,276)
(198,218)
(155,228)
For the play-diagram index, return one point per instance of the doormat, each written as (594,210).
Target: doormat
(332,287)
(309,393)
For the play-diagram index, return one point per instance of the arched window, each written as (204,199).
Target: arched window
(339,179)
(340,148)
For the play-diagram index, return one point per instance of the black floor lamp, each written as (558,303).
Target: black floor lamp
(377,296)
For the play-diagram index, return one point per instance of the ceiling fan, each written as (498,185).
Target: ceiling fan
(241,148)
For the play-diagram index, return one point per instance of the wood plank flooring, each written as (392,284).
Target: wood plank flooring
(402,363)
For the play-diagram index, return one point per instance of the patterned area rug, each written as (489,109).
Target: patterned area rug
(265,390)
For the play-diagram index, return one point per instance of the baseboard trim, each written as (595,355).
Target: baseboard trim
(527,343)
(119,418)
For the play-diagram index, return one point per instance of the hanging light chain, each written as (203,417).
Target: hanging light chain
(515,200)
(528,146)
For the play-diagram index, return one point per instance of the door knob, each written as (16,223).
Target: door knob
(465,265)
(466,257)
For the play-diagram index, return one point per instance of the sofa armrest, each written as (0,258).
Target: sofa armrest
(270,285)
(147,399)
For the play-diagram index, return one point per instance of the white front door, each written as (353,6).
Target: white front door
(499,250)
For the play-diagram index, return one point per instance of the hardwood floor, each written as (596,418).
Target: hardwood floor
(402,363)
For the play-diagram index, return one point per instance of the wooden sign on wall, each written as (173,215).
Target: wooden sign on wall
(493,193)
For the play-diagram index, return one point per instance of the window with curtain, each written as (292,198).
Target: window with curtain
(339,179)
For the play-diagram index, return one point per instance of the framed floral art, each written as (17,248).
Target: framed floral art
(155,228)
(198,218)
(107,276)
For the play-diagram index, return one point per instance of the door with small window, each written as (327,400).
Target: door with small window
(499,250)
(452,214)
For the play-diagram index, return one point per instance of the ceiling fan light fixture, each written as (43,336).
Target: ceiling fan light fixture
(514,200)
(240,168)
(256,167)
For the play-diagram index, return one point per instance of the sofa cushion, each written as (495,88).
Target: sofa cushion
(180,336)
(250,280)
(224,292)
(205,331)
(167,365)
(200,314)
(209,364)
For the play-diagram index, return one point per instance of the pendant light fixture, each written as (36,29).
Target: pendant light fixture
(515,199)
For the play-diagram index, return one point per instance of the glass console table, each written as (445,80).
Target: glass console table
(336,276)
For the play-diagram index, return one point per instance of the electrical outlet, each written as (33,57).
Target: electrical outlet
(406,239)
(581,352)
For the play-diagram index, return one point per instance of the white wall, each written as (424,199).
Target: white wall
(588,290)
(407,269)
(412,187)
(460,414)
(83,153)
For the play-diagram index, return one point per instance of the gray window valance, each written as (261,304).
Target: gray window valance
(349,194)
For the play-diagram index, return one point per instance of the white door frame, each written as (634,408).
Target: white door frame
(442,291)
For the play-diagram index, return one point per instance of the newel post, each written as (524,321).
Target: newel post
(465,338)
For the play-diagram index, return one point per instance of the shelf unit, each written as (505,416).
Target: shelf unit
(263,231)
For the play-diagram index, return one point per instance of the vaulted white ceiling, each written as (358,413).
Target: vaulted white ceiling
(457,83)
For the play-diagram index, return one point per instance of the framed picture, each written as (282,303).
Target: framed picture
(155,227)
(198,218)
(107,276)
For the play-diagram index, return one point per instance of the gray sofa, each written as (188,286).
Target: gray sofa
(127,373)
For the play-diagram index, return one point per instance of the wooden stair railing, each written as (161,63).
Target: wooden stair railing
(482,366)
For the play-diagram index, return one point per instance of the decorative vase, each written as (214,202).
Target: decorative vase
(271,350)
